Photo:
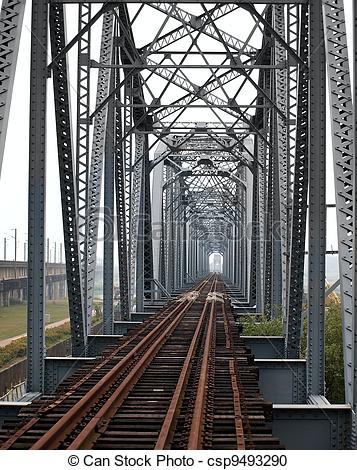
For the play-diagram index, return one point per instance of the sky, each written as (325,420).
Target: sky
(13,183)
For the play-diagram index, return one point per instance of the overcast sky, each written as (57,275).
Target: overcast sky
(13,184)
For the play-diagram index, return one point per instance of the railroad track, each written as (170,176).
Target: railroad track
(182,380)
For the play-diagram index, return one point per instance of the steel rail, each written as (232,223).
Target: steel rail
(168,427)
(61,400)
(238,420)
(238,417)
(99,423)
(197,424)
(147,350)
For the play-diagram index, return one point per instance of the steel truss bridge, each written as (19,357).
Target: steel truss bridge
(207,134)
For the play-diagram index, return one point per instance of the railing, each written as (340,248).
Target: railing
(15,393)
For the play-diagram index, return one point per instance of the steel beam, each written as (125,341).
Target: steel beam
(137,246)
(67,181)
(82,146)
(354,279)
(345,177)
(317,202)
(281,93)
(120,180)
(239,2)
(96,163)
(299,209)
(37,208)
(108,254)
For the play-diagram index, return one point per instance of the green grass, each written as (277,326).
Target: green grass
(262,326)
(13,318)
(16,350)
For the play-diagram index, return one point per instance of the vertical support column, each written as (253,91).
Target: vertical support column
(37,188)
(282,151)
(128,152)
(119,177)
(246,216)
(253,273)
(96,164)
(231,260)
(237,239)
(317,205)
(276,236)
(344,146)
(184,248)
(198,245)
(108,254)
(193,253)
(294,39)
(299,209)
(82,145)
(170,247)
(261,151)
(156,202)
(268,237)
(148,270)
(354,280)
(57,22)
(137,226)
(189,253)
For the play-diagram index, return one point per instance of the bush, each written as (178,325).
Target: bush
(334,367)
(262,326)
(17,349)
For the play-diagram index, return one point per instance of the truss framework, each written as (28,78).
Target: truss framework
(201,142)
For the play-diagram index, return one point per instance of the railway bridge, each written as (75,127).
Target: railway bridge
(199,137)
(13,281)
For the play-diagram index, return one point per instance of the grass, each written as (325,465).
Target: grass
(13,318)
(17,349)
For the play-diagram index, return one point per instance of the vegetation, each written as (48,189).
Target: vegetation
(17,349)
(262,326)
(13,318)
(334,377)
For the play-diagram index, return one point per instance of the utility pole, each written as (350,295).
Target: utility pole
(15,239)
(15,254)
(48,250)
(55,253)
(4,248)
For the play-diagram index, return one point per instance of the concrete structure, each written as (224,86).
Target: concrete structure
(13,282)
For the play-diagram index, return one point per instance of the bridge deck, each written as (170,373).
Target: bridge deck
(182,380)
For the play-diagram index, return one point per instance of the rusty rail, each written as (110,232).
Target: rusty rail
(168,426)
(69,421)
(209,399)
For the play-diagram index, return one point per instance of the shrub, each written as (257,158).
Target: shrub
(17,349)
(262,326)
(334,367)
